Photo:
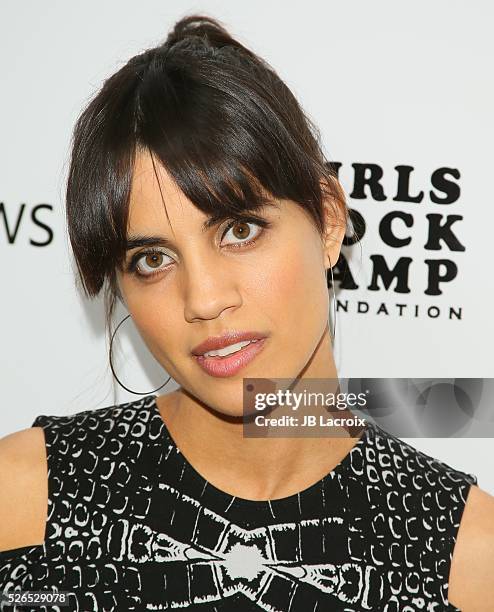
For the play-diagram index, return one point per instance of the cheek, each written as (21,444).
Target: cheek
(300,306)
(295,284)
(153,313)
(163,336)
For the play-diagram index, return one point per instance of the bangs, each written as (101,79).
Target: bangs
(228,152)
(217,118)
(225,148)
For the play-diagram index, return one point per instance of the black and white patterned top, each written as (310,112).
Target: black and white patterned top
(131,525)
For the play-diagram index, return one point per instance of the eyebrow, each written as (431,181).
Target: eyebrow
(136,240)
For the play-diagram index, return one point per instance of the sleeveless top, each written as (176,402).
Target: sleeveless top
(131,525)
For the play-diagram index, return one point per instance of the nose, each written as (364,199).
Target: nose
(209,288)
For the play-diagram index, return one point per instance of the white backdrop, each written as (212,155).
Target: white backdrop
(389,84)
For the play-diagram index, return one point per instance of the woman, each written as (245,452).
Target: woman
(198,195)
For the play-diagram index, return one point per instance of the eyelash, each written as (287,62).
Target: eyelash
(262,223)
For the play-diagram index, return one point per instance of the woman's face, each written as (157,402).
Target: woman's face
(206,283)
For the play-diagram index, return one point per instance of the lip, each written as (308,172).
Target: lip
(213,343)
(222,367)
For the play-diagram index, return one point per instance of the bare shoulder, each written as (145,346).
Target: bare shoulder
(24,486)
(471,578)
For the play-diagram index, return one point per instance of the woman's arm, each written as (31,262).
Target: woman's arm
(24,488)
(471,578)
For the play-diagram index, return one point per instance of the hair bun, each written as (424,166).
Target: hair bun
(210,30)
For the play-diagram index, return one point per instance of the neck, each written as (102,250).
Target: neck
(254,468)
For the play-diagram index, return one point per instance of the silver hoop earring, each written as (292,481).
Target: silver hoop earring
(113,370)
(334,300)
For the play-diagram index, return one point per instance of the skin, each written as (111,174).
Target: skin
(205,287)
(209,289)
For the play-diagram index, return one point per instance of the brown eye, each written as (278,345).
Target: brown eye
(151,262)
(242,233)
(154,260)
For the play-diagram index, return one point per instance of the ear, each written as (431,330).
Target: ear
(335,211)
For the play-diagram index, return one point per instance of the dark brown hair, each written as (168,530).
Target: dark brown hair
(219,119)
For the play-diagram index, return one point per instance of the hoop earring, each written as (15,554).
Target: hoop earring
(334,300)
(113,370)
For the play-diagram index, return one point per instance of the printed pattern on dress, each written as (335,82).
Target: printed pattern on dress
(133,526)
